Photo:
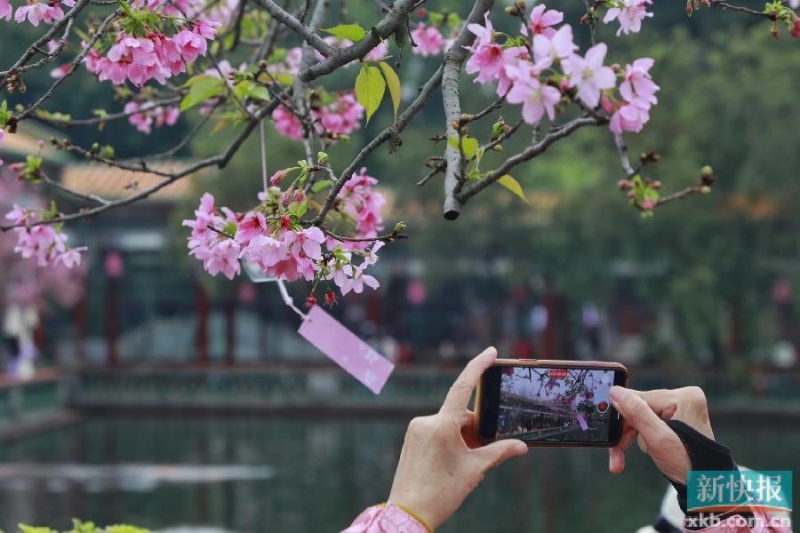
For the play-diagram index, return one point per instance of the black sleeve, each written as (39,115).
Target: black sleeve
(704,454)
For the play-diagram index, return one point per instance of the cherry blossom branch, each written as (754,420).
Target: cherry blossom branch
(42,42)
(149,106)
(725,5)
(453,155)
(285,18)
(339,57)
(220,160)
(73,64)
(529,153)
(80,196)
(389,237)
(393,132)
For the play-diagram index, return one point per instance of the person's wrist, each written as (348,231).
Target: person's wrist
(416,508)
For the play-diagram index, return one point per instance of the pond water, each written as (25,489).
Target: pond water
(315,475)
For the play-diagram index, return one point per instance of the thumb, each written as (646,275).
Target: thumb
(638,414)
(497,452)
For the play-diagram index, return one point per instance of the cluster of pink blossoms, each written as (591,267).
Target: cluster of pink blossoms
(156,56)
(44,242)
(273,240)
(428,39)
(629,13)
(524,79)
(144,116)
(340,117)
(35,12)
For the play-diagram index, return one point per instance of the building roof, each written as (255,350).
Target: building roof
(113,183)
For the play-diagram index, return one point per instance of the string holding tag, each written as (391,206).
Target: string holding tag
(287,299)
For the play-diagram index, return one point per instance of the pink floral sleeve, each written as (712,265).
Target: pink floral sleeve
(386,519)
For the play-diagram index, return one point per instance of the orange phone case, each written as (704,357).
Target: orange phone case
(604,365)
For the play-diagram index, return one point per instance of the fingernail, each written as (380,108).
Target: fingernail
(617,394)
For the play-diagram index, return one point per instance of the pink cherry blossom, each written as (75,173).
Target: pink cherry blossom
(5,10)
(377,53)
(39,12)
(190,44)
(542,20)
(638,87)
(428,40)
(536,98)
(559,47)
(629,117)
(487,56)
(253,225)
(629,13)
(589,75)
(265,252)
(287,124)
(357,282)
(46,243)
(512,58)
(343,116)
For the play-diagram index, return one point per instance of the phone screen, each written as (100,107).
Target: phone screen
(555,405)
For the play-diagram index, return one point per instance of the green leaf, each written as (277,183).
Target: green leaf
(370,87)
(29,529)
(513,185)
(202,87)
(320,185)
(393,82)
(468,144)
(354,32)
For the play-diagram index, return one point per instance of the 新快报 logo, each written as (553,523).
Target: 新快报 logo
(721,491)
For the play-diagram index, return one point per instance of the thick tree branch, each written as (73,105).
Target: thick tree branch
(526,155)
(453,155)
(339,57)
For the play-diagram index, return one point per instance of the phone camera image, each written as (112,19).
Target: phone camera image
(557,405)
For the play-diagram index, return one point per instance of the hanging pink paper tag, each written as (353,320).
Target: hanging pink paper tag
(346,349)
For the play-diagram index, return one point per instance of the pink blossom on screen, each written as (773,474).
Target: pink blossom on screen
(542,20)
(537,99)
(287,124)
(629,13)
(589,75)
(428,40)
(5,10)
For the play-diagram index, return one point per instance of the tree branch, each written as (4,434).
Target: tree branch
(314,40)
(453,155)
(342,56)
(526,155)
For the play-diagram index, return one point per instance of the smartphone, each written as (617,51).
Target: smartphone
(549,403)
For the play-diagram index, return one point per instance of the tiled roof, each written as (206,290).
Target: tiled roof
(26,142)
(113,183)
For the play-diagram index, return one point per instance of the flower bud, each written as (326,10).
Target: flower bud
(624,185)
(311,301)
(656,185)
(299,196)
(278,177)
(705,189)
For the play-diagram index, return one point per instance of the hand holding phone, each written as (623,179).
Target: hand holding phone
(549,403)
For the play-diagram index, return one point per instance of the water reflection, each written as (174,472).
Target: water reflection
(314,475)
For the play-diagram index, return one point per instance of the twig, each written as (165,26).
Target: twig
(622,149)
(527,154)
(285,18)
(389,237)
(725,5)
